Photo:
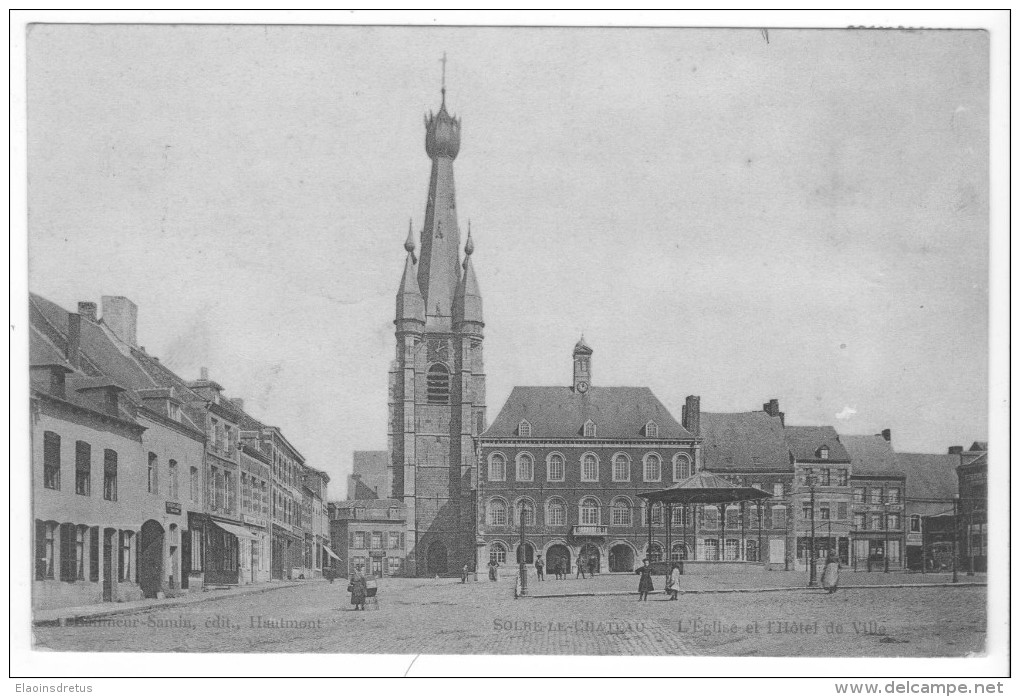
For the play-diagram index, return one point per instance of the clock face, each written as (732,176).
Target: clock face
(582,386)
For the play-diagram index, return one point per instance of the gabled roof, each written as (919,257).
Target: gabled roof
(871,455)
(744,441)
(560,412)
(805,441)
(929,476)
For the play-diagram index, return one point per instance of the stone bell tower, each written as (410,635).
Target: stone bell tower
(437,379)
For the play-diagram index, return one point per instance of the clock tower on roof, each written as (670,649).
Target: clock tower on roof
(437,379)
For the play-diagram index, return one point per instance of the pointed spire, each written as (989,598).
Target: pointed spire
(410,303)
(467,303)
(409,242)
(469,246)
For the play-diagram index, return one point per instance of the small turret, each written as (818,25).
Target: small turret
(582,366)
(410,303)
(467,303)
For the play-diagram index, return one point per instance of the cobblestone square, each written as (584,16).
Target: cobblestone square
(446,617)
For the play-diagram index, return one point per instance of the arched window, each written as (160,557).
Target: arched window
(497,512)
(655,552)
(153,482)
(679,552)
(172,469)
(497,467)
(524,428)
(651,430)
(619,513)
(555,512)
(711,518)
(681,467)
(732,550)
(589,429)
(681,516)
(657,514)
(555,468)
(711,549)
(653,468)
(497,552)
(621,468)
(437,384)
(589,511)
(589,468)
(526,512)
(525,467)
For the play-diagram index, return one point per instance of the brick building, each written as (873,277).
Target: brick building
(973,505)
(369,533)
(570,462)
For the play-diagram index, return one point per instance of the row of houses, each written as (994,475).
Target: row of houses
(145,484)
(570,462)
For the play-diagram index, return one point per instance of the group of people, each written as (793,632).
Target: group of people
(645,585)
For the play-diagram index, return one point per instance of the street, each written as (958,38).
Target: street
(445,616)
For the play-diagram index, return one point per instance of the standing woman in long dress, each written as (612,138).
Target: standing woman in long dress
(645,584)
(830,577)
(358,588)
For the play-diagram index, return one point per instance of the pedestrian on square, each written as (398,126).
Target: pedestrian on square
(464,574)
(540,568)
(673,582)
(493,570)
(830,577)
(645,584)
(593,565)
(561,570)
(358,588)
(581,563)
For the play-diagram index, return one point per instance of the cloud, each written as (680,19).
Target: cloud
(847,413)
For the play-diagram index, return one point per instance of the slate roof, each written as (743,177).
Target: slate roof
(804,442)
(744,441)
(560,412)
(871,455)
(929,476)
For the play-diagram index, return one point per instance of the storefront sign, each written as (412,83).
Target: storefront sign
(253,520)
(173,508)
(914,538)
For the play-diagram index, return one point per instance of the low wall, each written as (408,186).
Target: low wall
(661,568)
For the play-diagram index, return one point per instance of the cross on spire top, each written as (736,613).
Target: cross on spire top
(443,87)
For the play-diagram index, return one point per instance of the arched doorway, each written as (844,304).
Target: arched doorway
(436,559)
(621,558)
(591,553)
(526,553)
(150,558)
(557,557)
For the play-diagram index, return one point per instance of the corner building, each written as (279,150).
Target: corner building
(437,380)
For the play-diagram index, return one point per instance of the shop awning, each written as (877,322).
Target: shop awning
(328,551)
(235,530)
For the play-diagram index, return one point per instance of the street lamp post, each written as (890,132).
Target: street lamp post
(520,557)
(885,511)
(813,576)
(956,532)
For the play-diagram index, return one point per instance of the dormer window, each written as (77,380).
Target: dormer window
(823,452)
(651,430)
(524,429)
(589,429)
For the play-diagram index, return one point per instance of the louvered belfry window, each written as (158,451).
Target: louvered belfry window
(437,384)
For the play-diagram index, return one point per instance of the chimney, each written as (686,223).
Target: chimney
(121,316)
(73,339)
(956,450)
(887,435)
(237,402)
(204,373)
(771,408)
(692,414)
(87,310)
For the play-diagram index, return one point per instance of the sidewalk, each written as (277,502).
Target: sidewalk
(70,615)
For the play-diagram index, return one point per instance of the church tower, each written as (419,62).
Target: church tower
(437,380)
